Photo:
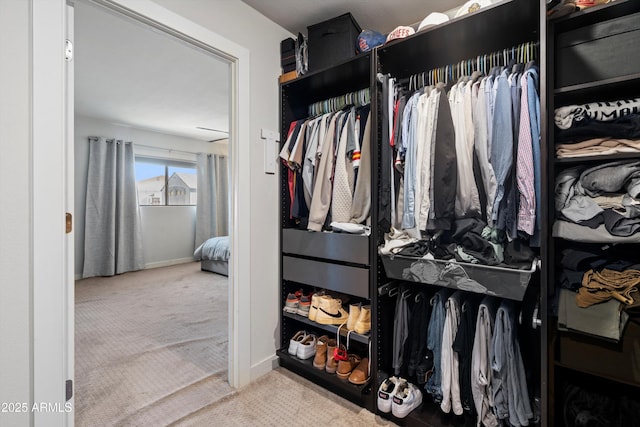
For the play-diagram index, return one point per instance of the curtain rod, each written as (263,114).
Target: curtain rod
(174,150)
(166,149)
(162,148)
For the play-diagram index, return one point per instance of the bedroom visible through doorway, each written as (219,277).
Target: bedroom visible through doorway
(172,100)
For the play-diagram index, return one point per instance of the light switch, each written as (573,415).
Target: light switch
(271,140)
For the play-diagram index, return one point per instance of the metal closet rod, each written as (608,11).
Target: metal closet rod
(521,53)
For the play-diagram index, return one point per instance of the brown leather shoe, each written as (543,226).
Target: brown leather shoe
(320,359)
(332,363)
(360,374)
(346,367)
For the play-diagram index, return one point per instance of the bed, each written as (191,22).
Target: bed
(213,255)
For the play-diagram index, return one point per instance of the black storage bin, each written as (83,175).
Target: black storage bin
(592,53)
(332,41)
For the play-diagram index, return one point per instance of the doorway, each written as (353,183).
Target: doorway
(235,371)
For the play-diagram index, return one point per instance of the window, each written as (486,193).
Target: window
(166,182)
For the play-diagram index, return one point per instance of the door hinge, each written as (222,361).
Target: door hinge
(68,50)
(68,223)
(69,389)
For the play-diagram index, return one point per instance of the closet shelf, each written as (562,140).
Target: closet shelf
(505,23)
(622,357)
(330,82)
(358,394)
(611,88)
(601,158)
(364,339)
(597,374)
(503,282)
(430,415)
(595,14)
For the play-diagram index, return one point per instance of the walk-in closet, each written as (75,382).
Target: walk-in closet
(425,251)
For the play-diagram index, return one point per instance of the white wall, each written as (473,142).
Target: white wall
(243,25)
(15,211)
(229,18)
(168,232)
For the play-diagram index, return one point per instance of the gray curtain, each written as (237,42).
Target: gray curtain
(113,233)
(212,209)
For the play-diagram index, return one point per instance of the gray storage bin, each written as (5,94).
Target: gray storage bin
(510,283)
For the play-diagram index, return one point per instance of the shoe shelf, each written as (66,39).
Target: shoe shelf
(358,394)
(364,339)
(429,414)
(503,282)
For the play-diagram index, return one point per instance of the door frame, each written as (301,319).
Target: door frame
(51,145)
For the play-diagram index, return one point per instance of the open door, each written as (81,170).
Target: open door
(69,249)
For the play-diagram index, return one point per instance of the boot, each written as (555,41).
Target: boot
(320,359)
(332,363)
(354,313)
(363,324)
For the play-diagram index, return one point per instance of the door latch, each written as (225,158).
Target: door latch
(68,223)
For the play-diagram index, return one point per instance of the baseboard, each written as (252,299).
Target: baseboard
(263,367)
(167,263)
(150,265)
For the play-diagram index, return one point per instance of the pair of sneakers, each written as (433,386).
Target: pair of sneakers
(398,396)
(327,310)
(298,303)
(302,345)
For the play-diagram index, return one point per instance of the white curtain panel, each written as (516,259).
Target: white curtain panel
(113,233)
(212,209)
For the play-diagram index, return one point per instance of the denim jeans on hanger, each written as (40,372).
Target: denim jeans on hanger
(510,393)
(434,342)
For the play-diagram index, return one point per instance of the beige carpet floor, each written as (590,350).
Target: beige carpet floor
(151,350)
(151,346)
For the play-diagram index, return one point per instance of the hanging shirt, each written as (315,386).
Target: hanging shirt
(410,126)
(481,147)
(322,190)
(502,140)
(525,173)
(343,182)
(467,202)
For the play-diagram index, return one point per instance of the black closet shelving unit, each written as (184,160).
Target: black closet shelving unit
(340,262)
(500,26)
(591,56)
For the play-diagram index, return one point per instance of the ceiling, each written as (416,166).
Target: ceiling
(378,15)
(130,74)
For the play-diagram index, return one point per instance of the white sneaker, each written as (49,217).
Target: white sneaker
(385,393)
(406,398)
(294,342)
(307,347)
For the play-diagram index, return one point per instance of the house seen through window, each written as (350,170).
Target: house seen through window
(166,182)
